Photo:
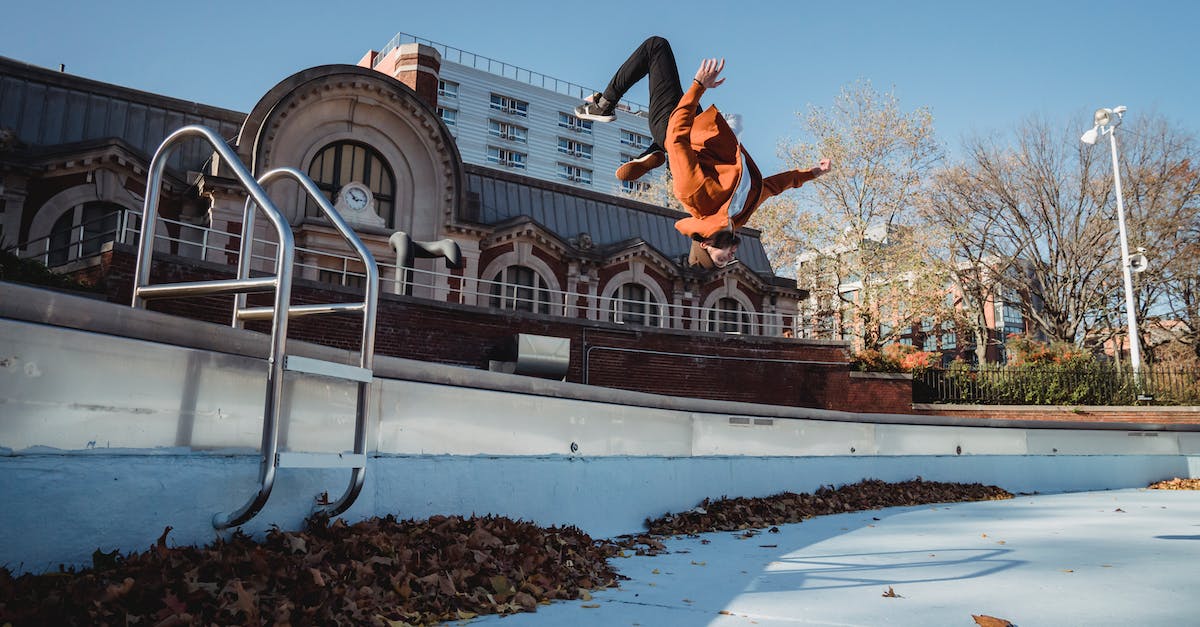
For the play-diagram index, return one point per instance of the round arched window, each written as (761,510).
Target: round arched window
(634,304)
(730,317)
(82,231)
(345,162)
(520,288)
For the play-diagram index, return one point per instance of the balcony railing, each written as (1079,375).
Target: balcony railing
(336,268)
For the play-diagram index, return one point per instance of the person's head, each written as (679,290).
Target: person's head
(716,251)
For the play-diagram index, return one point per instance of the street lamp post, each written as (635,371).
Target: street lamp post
(1106,123)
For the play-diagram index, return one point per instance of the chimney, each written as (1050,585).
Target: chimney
(415,65)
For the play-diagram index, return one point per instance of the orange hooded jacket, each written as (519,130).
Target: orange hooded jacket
(706,164)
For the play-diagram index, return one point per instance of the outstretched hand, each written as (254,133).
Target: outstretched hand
(821,168)
(709,70)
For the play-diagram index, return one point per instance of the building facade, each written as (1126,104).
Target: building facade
(511,118)
(74,154)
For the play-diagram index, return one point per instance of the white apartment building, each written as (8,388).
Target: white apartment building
(507,117)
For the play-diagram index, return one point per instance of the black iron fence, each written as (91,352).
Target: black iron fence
(1094,384)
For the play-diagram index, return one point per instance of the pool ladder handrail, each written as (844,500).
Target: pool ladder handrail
(281,283)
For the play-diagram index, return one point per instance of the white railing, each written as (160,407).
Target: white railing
(344,269)
(507,70)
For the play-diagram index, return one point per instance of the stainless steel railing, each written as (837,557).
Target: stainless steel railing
(280,282)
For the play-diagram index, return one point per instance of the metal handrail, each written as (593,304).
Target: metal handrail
(281,283)
(400,276)
(369,307)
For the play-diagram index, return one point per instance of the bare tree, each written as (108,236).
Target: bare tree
(863,262)
(1034,220)
(1162,193)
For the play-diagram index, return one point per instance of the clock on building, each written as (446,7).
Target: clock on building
(356,204)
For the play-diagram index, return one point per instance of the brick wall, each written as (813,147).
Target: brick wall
(715,366)
(880,392)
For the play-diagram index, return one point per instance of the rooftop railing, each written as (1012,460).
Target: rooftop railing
(344,269)
(506,70)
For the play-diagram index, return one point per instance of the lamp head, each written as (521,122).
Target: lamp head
(1107,117)
(1090,136)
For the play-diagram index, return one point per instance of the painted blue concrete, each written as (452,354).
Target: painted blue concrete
(1125,557)
(68,505)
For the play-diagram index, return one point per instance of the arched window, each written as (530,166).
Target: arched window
(634,304)
(521,289)
(729,317)
(82,231)
(345,162)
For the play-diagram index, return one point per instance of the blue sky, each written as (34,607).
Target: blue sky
(980,67)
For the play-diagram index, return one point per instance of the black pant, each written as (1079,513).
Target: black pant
(655,59)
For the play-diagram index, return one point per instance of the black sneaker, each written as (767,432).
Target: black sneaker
(637,168)
(597,108)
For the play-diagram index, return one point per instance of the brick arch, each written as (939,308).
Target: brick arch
(316,107)
(729,289)
(637,274)
(67,199)
(522,256)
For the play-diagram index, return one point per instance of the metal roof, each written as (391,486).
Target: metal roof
(48,108)
(567,211)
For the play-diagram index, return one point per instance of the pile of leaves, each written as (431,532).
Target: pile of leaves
(1176,484)
(392,573)
(378,571)
(749,513)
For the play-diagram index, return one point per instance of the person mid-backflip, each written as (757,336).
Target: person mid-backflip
(714,177)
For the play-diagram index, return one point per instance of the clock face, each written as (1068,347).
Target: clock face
(356,198)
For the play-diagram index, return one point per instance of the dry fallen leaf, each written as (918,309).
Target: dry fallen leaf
(891,594)
(405,572)
(590,606)
(990,621)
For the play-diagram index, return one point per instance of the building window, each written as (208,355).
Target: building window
(634,304)
(83,231)
(507,158)
(929,344)
(568,121)
(949,341)
(346,162)
(447,89)
(1010,317)
(729,317)
(511,132)
(449,116)
(574,148)
(635,140)
(510,105)
(574,173)
(520,288)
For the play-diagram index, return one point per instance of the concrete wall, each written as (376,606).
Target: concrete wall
(115,423)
